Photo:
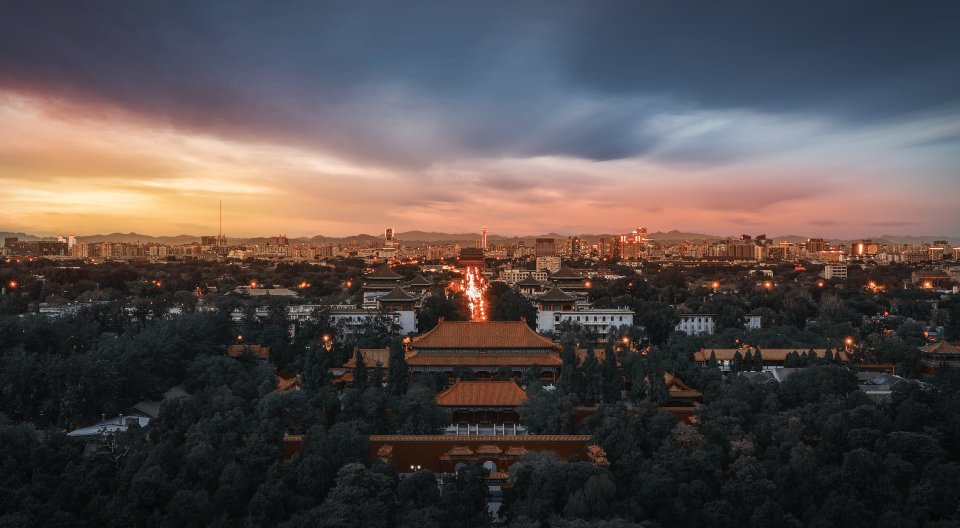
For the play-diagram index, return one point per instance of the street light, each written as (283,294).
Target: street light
(327,342)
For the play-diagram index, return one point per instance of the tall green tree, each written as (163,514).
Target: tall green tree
(360,376)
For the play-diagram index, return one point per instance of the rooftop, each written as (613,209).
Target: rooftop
(679,389)
(551,359)
(769,354)
(565,273)
(557,295)
(384,273)
(371,357)
(482,394)
(420,280)
(940,347)
(397,294)
(511,335)
(529,280)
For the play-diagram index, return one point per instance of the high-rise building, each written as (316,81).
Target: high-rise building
(483,238)
(546,247)
(816,245)
(865,247)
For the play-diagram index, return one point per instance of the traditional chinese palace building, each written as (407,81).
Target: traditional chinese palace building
(483,407)
(936,355)
(378,283)
(484,348)
(446,453)
(772,357)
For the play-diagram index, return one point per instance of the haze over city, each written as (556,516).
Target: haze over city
(310,118)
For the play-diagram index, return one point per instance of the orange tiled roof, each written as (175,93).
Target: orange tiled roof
(479,335)
(940,347)
(287,381)
(679,389)
(484,360)
(599,353)
(257,351)
(769,354)
(371,356)
(482,394)
(460,451)
(516,451)
(489,450)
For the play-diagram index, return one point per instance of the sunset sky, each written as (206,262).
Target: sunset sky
(839,119)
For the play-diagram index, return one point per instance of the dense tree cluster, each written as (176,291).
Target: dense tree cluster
(811,451)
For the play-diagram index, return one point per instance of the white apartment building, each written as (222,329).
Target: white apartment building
(601,321)
(513,276)
(694,324)
(834,271)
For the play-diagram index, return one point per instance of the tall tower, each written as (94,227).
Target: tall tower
(483,237)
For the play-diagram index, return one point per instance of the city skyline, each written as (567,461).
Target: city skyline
(818,120)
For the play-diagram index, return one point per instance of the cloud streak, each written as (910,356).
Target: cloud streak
(328,117)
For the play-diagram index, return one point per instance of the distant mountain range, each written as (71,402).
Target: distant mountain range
(425,237)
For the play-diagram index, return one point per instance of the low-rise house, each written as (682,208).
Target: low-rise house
(772,357)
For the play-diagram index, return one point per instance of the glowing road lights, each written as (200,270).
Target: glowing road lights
(253,284)
(474,286)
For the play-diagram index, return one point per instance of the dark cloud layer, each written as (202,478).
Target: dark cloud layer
(416,83)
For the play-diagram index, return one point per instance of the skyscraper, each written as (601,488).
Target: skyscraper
(546,247)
